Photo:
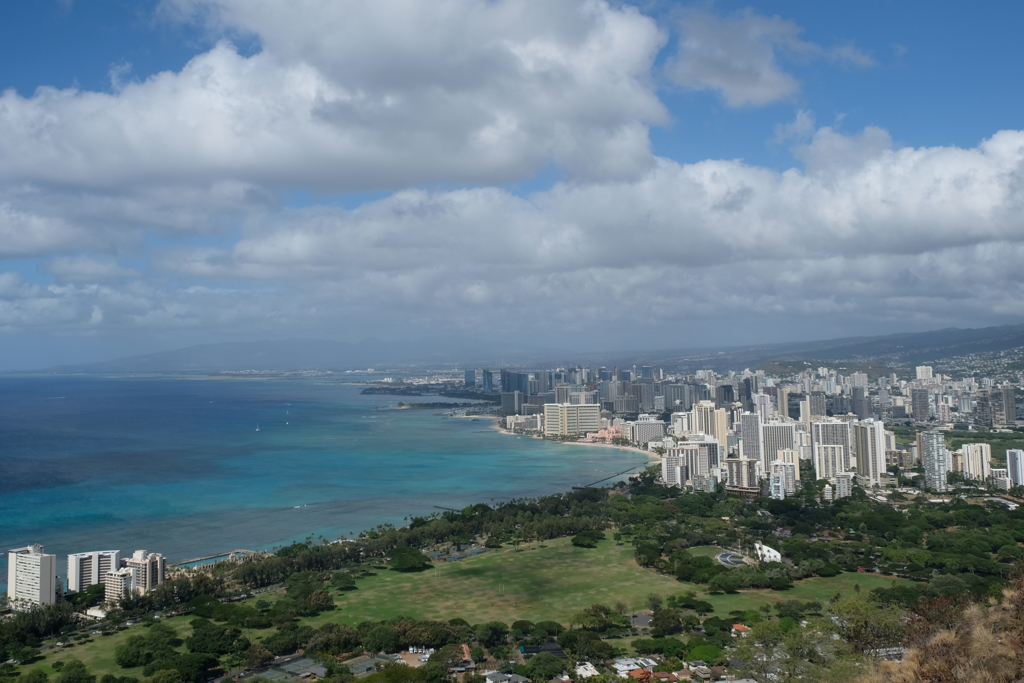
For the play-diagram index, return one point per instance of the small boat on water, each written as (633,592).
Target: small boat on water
(257,426)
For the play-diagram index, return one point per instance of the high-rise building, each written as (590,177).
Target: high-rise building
(787,471)
(860,404)
(977,462)
(829,460)
(87,569)
(567,419)
(488,382)
(699,457)
(512,402)
(31,578)
(869,450)
(644,429)
(830,433)
(763,406)
(743,476)
(775,437)
(750,433)
(1015,466)
(706,419)
(149,569)
(792,456)
(783,400)
(644,393)
(919,404)
(924,372)
(673,469)
(844,485)
(470,378)
(119,583)
(1004,402)
(936,458)
(817,404)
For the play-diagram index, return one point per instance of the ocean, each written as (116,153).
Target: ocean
(176,466)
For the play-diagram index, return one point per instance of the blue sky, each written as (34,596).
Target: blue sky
(805,169)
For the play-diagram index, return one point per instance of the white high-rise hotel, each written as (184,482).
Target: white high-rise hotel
(31,577)
(88,569)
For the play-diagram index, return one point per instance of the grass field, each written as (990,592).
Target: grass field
(98,655)
(550,582)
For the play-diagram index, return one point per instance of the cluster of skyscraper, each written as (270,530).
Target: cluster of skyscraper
(749,432)
(32,575)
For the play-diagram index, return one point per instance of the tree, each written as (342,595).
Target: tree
(381,639)
(544,666)
(166,676)
(75,672)
(654,602)
(406,559)
(724,583)
(257,655)
(491,633)
(709,654)
(320,601)
(343,581)
(36,675)
(864,623)
(667,620)
(132,653)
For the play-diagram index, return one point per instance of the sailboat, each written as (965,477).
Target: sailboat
(257,426)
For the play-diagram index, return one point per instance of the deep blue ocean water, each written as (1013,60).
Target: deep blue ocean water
(176,466)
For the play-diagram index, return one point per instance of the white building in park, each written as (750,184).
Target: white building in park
(31,577)
(88,569)
(766,554)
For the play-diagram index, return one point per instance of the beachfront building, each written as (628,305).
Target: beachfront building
(568,419)
(644,429)
(88,569)
(150,570)
(31,578)
(118,584)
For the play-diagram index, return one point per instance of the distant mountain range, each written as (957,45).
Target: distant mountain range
(896,350)
(299,354)
(302,354)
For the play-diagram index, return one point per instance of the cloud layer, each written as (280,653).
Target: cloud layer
(157,208)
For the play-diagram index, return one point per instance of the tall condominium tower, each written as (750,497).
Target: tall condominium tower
(937,461)
(750,433)
(869,449)
(1015,466)
(830,433)
(31,578)
(919,404)
(977,460)
(87,569)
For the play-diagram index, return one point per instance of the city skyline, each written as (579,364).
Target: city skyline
(198,171)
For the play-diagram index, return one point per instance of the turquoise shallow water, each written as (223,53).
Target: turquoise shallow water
(176,465)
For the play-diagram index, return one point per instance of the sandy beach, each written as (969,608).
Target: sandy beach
(496,424)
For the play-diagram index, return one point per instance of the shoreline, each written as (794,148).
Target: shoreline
(496,425)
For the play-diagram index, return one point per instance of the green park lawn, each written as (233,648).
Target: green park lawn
(550,582)
(98,655)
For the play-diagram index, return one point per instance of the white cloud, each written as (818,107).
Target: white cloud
(352,95)
(865,233)
(737,56)
(89,269)
(801,129)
